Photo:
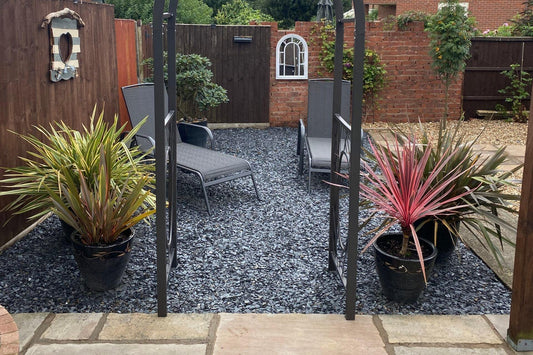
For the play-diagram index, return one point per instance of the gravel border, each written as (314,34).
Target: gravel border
(266,256)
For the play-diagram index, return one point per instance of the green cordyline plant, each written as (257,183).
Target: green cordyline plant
(397,187)
(98,209)
(63,148)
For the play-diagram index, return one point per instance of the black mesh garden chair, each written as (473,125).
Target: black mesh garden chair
(212,167)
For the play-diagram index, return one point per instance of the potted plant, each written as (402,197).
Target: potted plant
(92,180)
(398,188)
(196,94)
(102,213)
(61,146)
(481,209)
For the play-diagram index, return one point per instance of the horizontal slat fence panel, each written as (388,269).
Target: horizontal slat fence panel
(243,69)
(489,57)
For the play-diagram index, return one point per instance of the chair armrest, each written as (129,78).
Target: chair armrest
(200,130)
(147,145)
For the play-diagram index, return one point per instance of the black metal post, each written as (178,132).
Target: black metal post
(355,157)
(335,136)
(164,239)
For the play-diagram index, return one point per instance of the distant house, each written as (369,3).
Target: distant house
(490,14)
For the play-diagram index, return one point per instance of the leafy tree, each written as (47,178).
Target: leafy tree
(189,11)
(215,4)
(523,22)
(286,12)
(133,9)
(239,12)
(193,11)
(450,31)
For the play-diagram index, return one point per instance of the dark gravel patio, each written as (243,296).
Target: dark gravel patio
(266,256)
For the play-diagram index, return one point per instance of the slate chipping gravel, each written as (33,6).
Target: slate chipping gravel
(249,256)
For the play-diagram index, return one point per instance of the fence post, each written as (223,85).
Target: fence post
(520,332)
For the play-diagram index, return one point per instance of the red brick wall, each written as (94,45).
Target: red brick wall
(490,14)
(412,91)
(288,98)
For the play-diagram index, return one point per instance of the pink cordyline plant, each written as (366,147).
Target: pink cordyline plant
(397,187)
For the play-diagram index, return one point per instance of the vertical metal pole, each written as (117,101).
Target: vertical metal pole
(171,59)
(160,164)
(335,133)
(355,156)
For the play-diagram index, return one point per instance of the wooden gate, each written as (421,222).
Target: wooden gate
(482,80)
(241,64)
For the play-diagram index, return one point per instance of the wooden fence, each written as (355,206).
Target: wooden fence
(27,95)
(240,57)
(483,78)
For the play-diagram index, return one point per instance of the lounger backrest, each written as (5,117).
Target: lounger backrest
(140,103)
(320,106)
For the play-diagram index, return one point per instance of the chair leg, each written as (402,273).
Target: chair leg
(255,187)
(205,192)
(309,177)
(205,197)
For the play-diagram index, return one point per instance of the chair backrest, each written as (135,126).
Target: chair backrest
(320,106)
(139,100)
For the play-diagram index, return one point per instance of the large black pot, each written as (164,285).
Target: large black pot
(102,266)
(402,279)
(446,240)
(67,230)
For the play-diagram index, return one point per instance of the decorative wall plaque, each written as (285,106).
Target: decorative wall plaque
(64,43)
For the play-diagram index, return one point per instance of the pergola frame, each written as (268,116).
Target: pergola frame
(343,255)
(165,122)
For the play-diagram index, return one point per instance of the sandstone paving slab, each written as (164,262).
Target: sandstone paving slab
(404,350)
(27,324)
(500,322)
(518,151)
(458,329)
(296,333)
(122,349)
(133,326)
(72,326)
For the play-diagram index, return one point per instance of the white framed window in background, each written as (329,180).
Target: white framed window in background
(291,57)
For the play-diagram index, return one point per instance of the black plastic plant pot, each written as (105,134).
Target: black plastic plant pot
(446,240)
(401,279)
(67,230)
(102,266)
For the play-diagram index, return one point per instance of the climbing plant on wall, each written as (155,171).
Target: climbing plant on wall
(374,70)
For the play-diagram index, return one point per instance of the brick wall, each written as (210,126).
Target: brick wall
(412,91)
(288,98)
(490,14)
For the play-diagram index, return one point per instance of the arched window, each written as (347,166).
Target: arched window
(291,57)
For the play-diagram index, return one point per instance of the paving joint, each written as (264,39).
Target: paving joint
(212,334)
(99,327)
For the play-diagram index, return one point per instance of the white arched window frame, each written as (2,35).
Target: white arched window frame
(291,57)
